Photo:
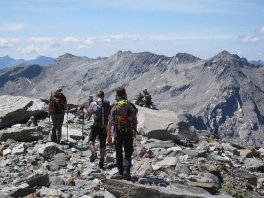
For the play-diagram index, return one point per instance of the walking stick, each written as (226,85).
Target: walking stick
(67,129)
(82,135)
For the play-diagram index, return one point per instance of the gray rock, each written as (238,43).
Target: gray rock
(215,179)
(159,144)
(21,191)
(56,181)
(103,194)
(145,170)
(121,188)
(200,181)
(73,134)
(228,147)
(49,150)
(195,153)
(4,162)
(98,175)
(168,161)
(254,164)
(249,153)
(150,181)
(246,175)
(19,149)
(47,192)
(16,109)
(85,183)
(25,134)
(34,180)
(157,124)
(187,132)
(182,169)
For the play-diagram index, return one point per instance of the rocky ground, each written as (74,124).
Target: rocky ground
(169,160)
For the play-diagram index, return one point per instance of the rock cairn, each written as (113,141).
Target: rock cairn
(144,100)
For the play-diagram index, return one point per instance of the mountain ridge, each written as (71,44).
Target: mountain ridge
(7,61)
(223,94)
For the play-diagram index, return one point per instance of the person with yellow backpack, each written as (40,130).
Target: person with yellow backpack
(123,118)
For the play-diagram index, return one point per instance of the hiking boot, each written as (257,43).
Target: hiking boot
(101,164)
(93,157)
(126,175)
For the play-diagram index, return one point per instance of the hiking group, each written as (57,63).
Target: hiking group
(120,118)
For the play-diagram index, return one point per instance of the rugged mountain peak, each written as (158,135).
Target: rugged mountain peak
(67,55)
(226,59)
(181,58)
(66,58)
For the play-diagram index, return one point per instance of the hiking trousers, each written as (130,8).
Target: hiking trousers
(124,139)
(57,120)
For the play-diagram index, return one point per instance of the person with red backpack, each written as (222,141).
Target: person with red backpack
(123,118)
(56,108)
(99,109)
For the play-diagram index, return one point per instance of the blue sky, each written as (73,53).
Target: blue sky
(203,28)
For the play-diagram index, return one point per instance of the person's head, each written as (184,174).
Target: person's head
(100,94)
(121,92)
(58,90)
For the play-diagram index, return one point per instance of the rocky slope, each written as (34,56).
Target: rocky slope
(196,164)
(223,94)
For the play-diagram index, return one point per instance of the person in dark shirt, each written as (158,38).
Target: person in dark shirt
(56,108)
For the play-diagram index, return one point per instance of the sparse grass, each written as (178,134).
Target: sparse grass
(231,190)
(36,167)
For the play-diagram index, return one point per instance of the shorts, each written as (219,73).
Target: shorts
(97,131)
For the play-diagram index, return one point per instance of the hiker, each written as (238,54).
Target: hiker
(123,118)
(56,108)
(100,110)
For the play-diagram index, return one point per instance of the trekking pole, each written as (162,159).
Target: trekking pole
(82,135)
(67,129)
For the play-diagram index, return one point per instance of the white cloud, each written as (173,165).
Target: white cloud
(188,37)
(30,49)
(71,39)
(41,40)
(254,39)
(250,40)
(33,50)
(89,41)
(4,43)
(239,53)
(12,27)
(82,46)
(262,30)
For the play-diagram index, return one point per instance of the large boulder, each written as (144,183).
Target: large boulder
(73,134)
(22,134)
(156,124)
(128,189)
(164,125)
(16,109)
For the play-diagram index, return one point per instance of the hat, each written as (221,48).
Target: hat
(59,90)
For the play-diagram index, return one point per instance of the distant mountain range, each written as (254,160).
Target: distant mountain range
(259,62)
(7,61)
(223,94)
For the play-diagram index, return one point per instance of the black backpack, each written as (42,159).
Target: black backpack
(57,104)
(102,113)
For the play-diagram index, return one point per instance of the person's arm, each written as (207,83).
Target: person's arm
(135,122)
(86,112)
(108,130)
(49,109)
